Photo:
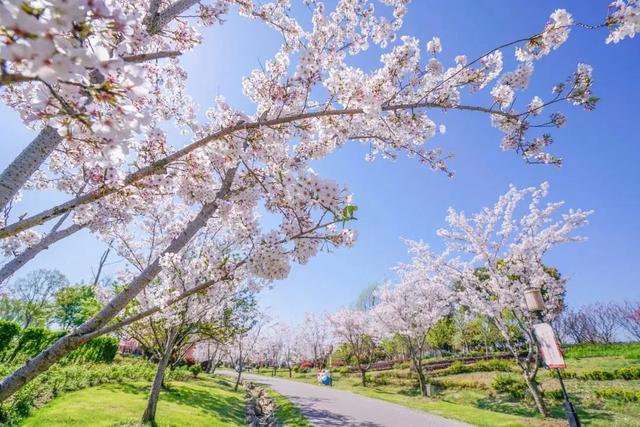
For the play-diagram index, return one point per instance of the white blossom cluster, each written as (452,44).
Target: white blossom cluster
(624,20)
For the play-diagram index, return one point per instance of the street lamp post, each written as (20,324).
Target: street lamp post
(535,304)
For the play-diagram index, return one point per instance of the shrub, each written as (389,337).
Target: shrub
(630,373)
(306,365)
(618,394)
(554,394)
(195,370)
(33,340)
(98,350)
(509,384)
(402,365)
(61,379)
(8,331)
(481,366)
(379,380)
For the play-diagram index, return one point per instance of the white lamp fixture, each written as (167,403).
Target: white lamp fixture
(533,299)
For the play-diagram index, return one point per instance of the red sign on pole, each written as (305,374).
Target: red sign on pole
(548,346)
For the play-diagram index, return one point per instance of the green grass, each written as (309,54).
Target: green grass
(626,350)
(287,414)
(198,402)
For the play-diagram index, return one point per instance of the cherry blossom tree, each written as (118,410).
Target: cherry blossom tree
(270,348)
(315,339)
(291,347)
(494,256)
(240,350)
(410,310)
(100,79)
(357,330)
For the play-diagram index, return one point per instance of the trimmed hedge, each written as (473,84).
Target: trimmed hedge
(20,345)
(482,366)
(32,341)
(8,331)
(630,373)
(98,350)
(619,394)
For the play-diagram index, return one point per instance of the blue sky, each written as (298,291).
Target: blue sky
(404,199)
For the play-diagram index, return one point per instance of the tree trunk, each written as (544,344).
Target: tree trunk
(290,369)
(66,344)
(28,254)
(238,377)
(363,373)
(422,379)
(149,415)
(28,161)
(534,389)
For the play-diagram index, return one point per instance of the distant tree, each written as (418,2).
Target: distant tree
(594,323)
(73,305)
(440,336)
(411,309)
(356,329)
(35,292)
(604,321)
(10,309)
(315,339)
(628,317)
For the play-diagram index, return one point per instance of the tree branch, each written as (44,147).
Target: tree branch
(159,166)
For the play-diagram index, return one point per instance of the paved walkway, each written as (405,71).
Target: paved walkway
(327,406)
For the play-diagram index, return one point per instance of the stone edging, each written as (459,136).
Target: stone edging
(260,409)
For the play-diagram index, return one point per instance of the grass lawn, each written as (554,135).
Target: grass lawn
(200,402)
(287,413)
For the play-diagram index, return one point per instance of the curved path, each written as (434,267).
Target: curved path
(326,406)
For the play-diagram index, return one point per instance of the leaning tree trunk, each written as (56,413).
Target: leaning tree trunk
(536,393)
(28,254)
(33,156)
(28,161)
(75,339)
(238,377)
(363,374)
(149,415)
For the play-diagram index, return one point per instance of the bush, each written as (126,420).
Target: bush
(509,384)
(61,379)
(195,370)
(379,380)
(554,394)
(630,373)
(33,340)
(402,365)
(98,350)
(8,331)
(482,366)
(618,394)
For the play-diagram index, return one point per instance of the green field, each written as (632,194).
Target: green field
(198,402)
